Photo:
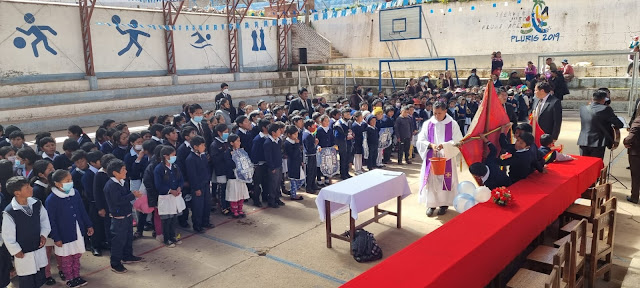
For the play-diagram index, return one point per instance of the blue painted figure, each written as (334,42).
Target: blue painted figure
(37,31)
(254,36)
(262,46)
(201,40)
(133,35)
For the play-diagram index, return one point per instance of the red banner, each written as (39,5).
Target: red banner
(491,115)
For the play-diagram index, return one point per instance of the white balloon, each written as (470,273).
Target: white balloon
(466,187)
(482,194)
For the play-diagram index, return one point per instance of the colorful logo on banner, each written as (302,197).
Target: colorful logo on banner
(244,166)
(536,21)
(386,137)
(133,35)
(38,32)
(328,161)
(254,37)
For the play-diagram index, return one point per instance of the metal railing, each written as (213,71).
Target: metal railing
(633,92)
(344,69)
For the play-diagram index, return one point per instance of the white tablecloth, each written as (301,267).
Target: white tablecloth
(363,192)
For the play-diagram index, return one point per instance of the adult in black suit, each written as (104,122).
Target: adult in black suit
(596,120)
(548,110)
(225,94)
(197,114)
(559,85)
(508,107)
(301,103)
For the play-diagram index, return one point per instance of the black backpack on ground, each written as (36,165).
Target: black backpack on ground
(364,247)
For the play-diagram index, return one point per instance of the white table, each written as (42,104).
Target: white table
(358,194)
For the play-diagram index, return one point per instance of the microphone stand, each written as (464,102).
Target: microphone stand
(611,160)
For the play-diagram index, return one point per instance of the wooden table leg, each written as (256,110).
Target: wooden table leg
(398,217)
(327,213)
(352,229)
(375,212)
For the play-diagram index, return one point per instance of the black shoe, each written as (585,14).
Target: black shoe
(274,205)
(148,227)
(184,225)
(96,252)
(257,203)
(409,162)
(430,211)
(286,192)
(81,282)
(400,163)
(132,259)
(442,210)
(280,202)
(50,281)
(73,283)
(62,277)
(198,230)
(631,200)
(119,269)
(209,226)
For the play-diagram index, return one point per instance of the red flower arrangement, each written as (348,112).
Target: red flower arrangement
(501,196)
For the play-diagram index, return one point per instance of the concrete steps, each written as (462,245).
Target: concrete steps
(335,54)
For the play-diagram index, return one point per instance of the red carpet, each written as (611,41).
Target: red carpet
(472,248)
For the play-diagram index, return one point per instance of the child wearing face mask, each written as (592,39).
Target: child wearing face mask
(218,146)
(168,181)
(69,222)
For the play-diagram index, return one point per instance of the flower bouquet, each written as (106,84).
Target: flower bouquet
(501,196)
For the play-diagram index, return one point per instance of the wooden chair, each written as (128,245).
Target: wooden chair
(603,176)
(530,278)
(611,204)
(577,267)
(602,247)
(599,195)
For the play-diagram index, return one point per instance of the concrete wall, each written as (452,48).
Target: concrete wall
(585,25)
(111,56)
(318,47)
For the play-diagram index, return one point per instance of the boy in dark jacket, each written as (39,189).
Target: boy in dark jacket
(218,146)
(293,150)
(197,170)
(273,159)
(523,162)
(310,145)
(119,200)
(489,173)
(388,121)
(404,133)
(358,127)
(343,138)
(372,141)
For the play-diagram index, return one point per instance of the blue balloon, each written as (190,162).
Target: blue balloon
(462,202)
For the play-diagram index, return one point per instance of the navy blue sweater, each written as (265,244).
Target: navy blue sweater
(197,171)
(107,147)
(120,152)
(217,151)
(63,214)
(118,198)
(257,149)
(76,176)
(62,162)
(246,140)
(181,157)
(87,184)
(272,153)
(358,137)
(166,179)
(99,182)
(309,143)
(135,170)
(294,158)
(325,139)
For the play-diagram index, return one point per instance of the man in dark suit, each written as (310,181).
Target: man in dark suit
(632,143)
(196,113)
(301,103)
(508,107)
(548,110)
(596,120)
(225,94)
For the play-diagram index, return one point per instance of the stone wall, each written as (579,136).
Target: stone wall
(318,47)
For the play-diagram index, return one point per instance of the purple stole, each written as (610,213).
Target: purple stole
(448,136)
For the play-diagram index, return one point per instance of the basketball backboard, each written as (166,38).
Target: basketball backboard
(401,23)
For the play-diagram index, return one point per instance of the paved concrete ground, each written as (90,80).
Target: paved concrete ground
(286,247)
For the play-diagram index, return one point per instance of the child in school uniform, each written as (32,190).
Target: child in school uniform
(344,140)
(121,142)
(293,150)
(387,121)
(16,138)
(47,147)
(74,132)
(310,145)
(197,171)
(325,140)
(372,141)
(152,149)
(40,182)
(99,196)
(523,162)
(79,159)
(184,150)
(119,199)
(63,161)
(273,158)
(25,158)
(358,127)
(168,182)
(218,146)
(488,172)
(108,146)
(237,190)
(548,153)
(69,222)
(25,226)
(98,239)
(136,161)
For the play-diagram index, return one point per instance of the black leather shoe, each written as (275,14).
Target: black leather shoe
(209,226)
(96,252)
(430,211)
(274,205)
(257,204)
(280,203)
(50,281)
(198,230)
(442,210)
(631,200)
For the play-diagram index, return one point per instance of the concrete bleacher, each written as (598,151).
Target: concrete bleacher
(48,106)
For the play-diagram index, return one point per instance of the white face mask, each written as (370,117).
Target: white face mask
(225,91)
(421,83)
(137,147)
